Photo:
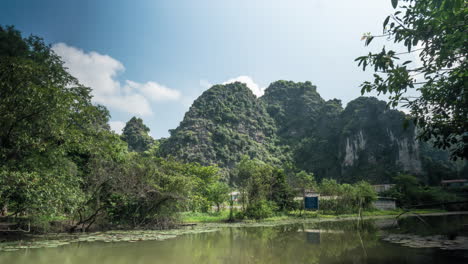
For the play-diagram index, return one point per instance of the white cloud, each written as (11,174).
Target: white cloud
(100,72)
(257,90)
(91,69)
(136,104)
(205,84)
(117,126)
(154,91)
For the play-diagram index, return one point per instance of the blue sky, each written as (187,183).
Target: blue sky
(153,58)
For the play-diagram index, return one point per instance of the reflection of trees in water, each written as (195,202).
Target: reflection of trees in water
(436,225)
(339,242)
(285,244)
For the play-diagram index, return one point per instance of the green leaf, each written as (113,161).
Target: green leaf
(368,40)
(394,3)
(386,22)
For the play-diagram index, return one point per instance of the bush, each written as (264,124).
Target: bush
(198,203)
(346,198)
(261,209)
(409,192)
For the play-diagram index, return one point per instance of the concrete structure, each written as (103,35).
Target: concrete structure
(385,203)
(379,188)
(454,183)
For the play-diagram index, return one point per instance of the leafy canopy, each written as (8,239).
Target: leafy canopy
(435,31)
(135,133)
(48,125)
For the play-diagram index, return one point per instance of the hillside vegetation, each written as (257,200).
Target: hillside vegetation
(292,123)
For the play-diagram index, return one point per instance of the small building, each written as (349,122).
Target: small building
(308,198)
(311,200)
(234,196)
(385,203)
(456,183)
(380,188)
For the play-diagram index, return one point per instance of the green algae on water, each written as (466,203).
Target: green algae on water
(57,240)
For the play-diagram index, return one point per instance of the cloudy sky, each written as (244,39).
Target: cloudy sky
(151,58)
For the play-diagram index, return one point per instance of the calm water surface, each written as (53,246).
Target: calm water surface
(327,242)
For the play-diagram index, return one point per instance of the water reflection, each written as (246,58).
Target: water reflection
(327,242)
(313,237)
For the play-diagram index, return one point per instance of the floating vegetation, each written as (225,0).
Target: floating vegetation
(57,240)
(437,241)
(61,239)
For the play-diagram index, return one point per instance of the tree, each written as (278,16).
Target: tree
(45,117)
(434,30)
(203,178)
(218,193)
(147,191)
(264,188)
(346,198)
(135,133)
(365,194)
(409,191)
(281,192)
(303,180)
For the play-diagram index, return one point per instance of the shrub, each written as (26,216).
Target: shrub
(261,209)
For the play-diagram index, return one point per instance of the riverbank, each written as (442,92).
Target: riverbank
(59,239)
(223,216)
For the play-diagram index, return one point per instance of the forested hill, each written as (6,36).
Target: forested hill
(223,124)
(292,122)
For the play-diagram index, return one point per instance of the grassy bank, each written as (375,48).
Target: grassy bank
(223,216)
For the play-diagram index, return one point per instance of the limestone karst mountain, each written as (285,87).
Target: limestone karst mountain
(293,123)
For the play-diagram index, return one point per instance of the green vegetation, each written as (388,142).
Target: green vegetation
(217,193)
(61,164)
(135,133)
(223,124)
(346,198)
(49,130)
(307,126)
(60,161)
(292,124)
(408,191)
(199,217)
(297,216)
(435,31)
(264,189)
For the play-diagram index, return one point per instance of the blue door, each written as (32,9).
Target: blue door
(311,203)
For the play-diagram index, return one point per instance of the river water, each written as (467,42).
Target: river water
(325,242)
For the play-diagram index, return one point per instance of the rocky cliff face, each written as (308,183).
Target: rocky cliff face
(291,122)
(374,143)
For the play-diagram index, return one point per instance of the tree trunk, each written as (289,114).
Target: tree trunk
(4,210)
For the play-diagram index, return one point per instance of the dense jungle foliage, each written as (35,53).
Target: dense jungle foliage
(60,162)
